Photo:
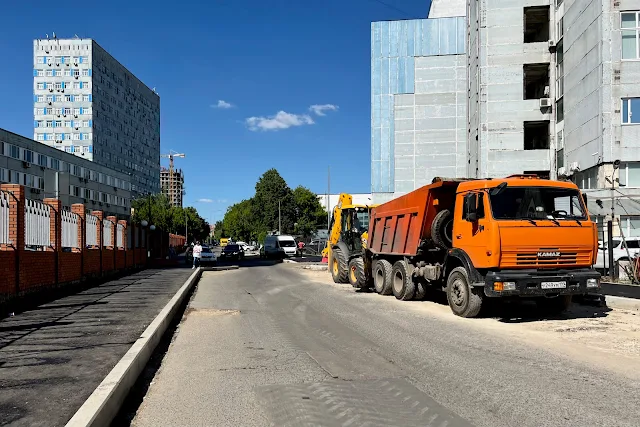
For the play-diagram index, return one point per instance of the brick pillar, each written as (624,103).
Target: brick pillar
(16,214)
(114,230)
(55,222)
(100,216)
(78,209)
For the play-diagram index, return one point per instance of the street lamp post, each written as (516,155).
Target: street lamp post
(612,270)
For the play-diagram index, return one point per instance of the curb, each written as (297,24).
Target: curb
(290,261)
(105,401)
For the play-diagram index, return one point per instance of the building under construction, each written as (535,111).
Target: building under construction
(172,186)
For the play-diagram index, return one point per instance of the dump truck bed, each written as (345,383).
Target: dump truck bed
(398,226)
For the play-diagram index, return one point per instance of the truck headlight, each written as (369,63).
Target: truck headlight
(504,286)
(592,283)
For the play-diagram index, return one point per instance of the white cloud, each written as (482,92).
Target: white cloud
(282,120)
(224,105)
(205,201)
(320,109)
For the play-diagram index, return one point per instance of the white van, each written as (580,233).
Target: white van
(279,246)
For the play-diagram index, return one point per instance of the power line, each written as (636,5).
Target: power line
(393,8)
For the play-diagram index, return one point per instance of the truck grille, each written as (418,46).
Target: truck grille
(546,257)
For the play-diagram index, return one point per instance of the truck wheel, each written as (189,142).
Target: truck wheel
(357,275)
(382,277)
(555,305)
(404,288)
(421,291)
(442,229)
(464,300)
(339,267)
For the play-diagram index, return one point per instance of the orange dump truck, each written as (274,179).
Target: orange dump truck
(483,238)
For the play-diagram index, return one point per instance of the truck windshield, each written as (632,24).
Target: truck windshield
(361,221)
(538,203)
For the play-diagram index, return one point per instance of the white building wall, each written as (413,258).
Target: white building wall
(447,8)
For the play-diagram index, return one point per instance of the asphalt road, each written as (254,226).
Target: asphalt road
(266,345)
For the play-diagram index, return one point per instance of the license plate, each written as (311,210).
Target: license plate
(553,285)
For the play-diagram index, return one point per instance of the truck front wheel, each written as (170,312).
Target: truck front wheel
(464,300)
(404,288)
(339,267)
(382,277)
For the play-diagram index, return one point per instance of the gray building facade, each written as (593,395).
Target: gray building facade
(540,86)
(87,104)
(49,172)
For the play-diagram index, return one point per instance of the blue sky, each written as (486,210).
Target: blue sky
(269,62)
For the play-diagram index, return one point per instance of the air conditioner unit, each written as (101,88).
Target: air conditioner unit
(50,90)
(75,115)
(26,164)
(42,168)
(76,77)
(552,46)
(49,103)
(545,102)
(62,91)
(562,171)
(574,166)
(57,64)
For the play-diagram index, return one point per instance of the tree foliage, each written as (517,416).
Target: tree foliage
(170,218)
(274,205)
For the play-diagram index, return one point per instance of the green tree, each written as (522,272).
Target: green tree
(309,212)
(273,195)
(169,218)
(239,222)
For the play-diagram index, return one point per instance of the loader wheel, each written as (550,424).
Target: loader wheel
(554,306)
(404,288)
(442,229)
(464,300)
(339,267)
(382,277)
(357,274)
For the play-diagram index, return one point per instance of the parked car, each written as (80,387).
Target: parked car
(232,251)
(619,251)
(279,247)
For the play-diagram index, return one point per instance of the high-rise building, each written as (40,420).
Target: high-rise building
(489,89)
(172,187)
(88,104)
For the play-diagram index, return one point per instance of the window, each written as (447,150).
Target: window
(49,73)
(58,98)
(86,98)
(631,224)
(629,105)
(40,73)
(85,123)
(40,60)
(75,136)
(536,81)
(67,73)
(57,124)
(55,164)
(629,175)
(76,111)
(537,203)
(85,72)
(49,124)
(68,149)
(28,156)
(42,160)
(67,98)
(48,137)
(40,98)
(536,24)
(76,72)
(40,137)
(630,27)
(560,149)
(58,111)
(49,85)
(536,135)
(76,85)
(39,111)
(65,111)
(67,137)
(41,85)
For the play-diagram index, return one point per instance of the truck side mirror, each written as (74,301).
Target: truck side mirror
(470,207)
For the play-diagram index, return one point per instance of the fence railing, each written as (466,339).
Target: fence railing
(91,233)
(106,233)
(37,222)
(69,230)
(4,218)
(119,236)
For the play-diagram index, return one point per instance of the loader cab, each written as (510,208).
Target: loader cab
(355,222)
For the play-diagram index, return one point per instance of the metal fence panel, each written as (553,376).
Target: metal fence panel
(106,233)
(120,235)
(4,218)
(91,232)
(70,222)
(37,223)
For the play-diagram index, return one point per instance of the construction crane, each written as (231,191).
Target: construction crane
(171,156)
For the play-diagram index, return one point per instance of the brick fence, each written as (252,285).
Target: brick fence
(27,268)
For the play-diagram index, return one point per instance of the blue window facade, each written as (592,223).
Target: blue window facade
(394,47)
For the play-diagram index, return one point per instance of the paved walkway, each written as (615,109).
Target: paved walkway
(54,356)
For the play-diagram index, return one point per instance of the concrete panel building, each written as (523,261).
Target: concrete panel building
(88,104)
(49,172)
(542,86)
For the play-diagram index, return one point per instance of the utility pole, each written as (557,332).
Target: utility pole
(612,270)
(186,222)
(329,207)
(279,219)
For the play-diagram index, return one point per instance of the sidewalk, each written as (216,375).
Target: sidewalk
(54,356)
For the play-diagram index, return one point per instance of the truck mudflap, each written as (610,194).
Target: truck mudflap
(536,283)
